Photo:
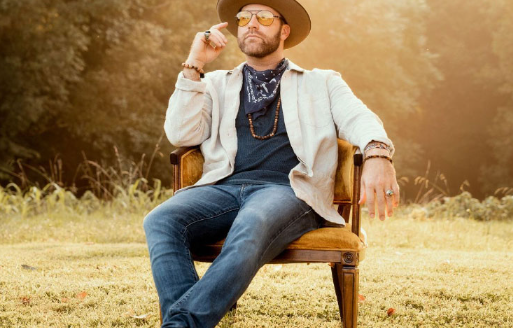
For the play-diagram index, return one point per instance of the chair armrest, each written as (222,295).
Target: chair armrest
(188,166)
(356,220)
(176,155)
(344,178)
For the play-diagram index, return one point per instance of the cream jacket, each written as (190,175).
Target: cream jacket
(318,107)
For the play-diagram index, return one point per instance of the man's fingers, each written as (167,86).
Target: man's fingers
(220,26)
(220,35)
(380,195)
(397,194)
(215,40)
(390,207)
(363,196)
(370,201)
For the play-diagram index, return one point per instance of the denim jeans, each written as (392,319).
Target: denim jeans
(258,221)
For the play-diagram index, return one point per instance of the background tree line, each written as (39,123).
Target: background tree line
(82,77)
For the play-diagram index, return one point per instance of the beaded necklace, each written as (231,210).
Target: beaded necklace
(275,127)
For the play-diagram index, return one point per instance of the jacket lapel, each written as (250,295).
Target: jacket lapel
(289,98)
(228,133)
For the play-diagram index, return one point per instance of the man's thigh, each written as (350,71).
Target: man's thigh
(203,214)
(273,211)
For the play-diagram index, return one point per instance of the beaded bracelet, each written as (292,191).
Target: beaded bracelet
(379,156)
(197,69)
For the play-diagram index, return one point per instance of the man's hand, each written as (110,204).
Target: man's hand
(378,176)
(203,51)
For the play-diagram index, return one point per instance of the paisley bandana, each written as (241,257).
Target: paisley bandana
(261,88)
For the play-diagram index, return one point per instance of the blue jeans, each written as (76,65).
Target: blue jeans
(258,221)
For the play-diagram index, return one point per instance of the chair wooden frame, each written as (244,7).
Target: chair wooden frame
(343,262)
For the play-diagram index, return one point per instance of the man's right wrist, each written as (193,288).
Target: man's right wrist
(193,69)
(191,74)
(192,61)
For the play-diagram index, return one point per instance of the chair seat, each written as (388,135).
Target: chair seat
(339,239)
(329,238)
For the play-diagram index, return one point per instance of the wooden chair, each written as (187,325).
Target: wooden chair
(341,247)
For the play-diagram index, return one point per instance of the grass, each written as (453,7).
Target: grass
(92,270)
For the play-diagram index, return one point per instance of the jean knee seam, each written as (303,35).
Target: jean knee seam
(184,231)
(280,231)
(184,297)
(208,218)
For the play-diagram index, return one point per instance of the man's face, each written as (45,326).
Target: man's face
(257,40)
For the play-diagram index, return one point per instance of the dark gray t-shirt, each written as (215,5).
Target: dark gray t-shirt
(262,161)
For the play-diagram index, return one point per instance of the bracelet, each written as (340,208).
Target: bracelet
(197,69)
(377,144)
(379,156)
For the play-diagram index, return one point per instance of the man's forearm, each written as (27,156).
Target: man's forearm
(191,74)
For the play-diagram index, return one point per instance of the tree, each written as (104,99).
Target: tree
(498,173)
(462,107)
(380,49)
(88,76)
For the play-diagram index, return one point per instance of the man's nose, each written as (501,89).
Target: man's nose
(253,22)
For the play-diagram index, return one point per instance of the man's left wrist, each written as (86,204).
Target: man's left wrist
(377,145)
(377,151)
(378,157)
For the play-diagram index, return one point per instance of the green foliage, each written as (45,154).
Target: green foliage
(40,56)
(87,76)
(472,40)
(499,172)
(92,75)
(53,199)
(465,206)
(380,49)
(123,188)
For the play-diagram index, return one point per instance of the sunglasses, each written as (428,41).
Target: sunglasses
(264,17)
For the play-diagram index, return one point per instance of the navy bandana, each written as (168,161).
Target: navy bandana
(262,88)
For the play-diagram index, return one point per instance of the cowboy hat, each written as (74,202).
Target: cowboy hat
(295,15)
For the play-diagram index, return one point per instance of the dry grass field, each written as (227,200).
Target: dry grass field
(92,270)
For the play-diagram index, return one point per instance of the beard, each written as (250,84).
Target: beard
(262,48)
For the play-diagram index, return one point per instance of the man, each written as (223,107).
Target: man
(268,132)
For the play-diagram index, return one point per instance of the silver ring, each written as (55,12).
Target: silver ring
(207,35)
(389,192)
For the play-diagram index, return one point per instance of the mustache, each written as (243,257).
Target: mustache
(253,33)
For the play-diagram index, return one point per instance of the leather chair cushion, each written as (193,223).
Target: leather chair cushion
(328,238)
(340,238)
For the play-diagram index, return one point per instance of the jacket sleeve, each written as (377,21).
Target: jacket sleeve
(189,114)
(354,121)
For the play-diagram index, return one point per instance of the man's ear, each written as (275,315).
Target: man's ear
(285,32)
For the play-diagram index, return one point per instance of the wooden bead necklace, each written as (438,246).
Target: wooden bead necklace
(275,127)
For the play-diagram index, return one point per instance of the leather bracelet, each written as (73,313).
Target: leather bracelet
(377,144)
(379,156)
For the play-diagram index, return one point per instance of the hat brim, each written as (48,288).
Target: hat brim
(295,15)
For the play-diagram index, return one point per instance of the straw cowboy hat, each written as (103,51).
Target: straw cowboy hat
(295,15)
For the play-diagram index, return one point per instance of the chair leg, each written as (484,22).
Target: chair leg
(346,283)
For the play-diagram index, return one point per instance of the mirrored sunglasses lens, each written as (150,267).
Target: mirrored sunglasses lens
(243,18)
(265,18)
